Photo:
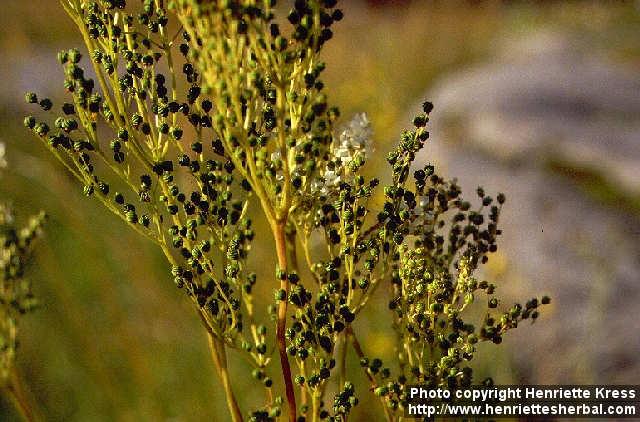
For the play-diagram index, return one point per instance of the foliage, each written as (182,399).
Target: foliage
(16,296)
(200,110)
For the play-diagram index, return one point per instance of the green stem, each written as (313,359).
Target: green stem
(342,359)
(16,393)
(219,356)
(281,250)
(315,407)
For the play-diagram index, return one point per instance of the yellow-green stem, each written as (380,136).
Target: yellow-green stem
(281,250)
(219,356)
(342,359)
(315,407)
(15,392)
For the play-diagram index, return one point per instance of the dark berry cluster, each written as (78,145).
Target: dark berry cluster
(16,296)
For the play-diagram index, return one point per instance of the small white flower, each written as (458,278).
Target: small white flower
(316,185)
(354,140)
(357,134)
(331,178)
(343,154)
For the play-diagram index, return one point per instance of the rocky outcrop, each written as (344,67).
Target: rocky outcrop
(557,129)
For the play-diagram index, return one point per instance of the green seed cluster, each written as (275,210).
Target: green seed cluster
(122,137)
(16,296)
(434,241)
(200,110)
(270,109)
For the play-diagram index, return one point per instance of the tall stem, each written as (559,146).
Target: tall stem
(220,359)
(342,359)
(281,250)
(16,394)
(315,407)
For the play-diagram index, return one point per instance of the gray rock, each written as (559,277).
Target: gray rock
(545,97)
(499,125)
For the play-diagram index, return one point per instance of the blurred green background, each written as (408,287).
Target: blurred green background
(114,340)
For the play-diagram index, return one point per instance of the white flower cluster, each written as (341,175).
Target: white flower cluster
(276,157)
(354,141)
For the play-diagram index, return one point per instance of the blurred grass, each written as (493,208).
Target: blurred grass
(113,339)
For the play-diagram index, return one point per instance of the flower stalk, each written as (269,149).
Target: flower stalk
(281,252)
(219,357)
(15,391)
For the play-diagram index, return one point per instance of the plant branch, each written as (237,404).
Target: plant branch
(281,250)
(16,393)
(358,349)
(219,356)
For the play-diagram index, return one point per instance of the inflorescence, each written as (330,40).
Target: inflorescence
(195,111)
(16,295)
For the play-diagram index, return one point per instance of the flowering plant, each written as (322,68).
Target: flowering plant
(16,296)
(200,110)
